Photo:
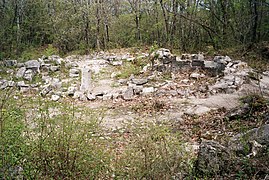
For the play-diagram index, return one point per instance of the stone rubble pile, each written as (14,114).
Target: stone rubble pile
(73,76)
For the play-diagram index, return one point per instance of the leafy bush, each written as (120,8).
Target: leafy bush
(50,50)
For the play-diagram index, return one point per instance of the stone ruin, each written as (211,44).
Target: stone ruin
(192,76)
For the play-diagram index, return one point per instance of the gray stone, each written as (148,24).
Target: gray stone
(20,72)
(139,81)
(241,142)
(71,90)
(22,84)
(186,56)
(53,57)
(116,63)
(115,74)
(197,110)
(222,59)
(196,75)
(19,65)
(210,65)
(172,92)
(25,89)
(74,73)
(181,64)
(54,68)
(45,67)
(3,84)
(71,65)
(10,63)
(163,53)
(91,97)
(9,71)
(138,89)
(107,97)
(199,57)
(197,63)
(59,61)
(213,158)
(28,75)
(33,64)
(46,79)
(80,95)
(55,97)
(148,90)
(56,84)
(46,90)
(128,94)
(85,80)
(11,83)
(220,86)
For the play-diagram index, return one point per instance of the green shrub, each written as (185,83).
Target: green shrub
(12,143)
(154,153)
(50,50)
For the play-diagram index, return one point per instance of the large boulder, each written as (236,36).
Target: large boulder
(213,159)
(242,143)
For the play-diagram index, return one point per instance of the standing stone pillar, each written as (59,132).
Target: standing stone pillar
(85,80)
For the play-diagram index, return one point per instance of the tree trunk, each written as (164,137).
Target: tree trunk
(256,17)
(98,20)
(165,21)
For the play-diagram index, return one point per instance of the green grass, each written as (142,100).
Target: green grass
(60,140)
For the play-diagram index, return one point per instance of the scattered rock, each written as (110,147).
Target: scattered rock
(3,84)
(163,53)
(56,84)
(33,65)
(197,75)
(20,72)
(11,83)
(71,65)
(19,65)
(54,68)
(139,81)
(22,84)
(238,112)
(138,89)
(128,94)
(55,97)
(197,110)
(148,90)
(222,59)
(107,97)
(115,74)
(46,90)
(241,143)
(10,63)
(28,75)
(71,91)
(91,97)
(117,63)
(80,95)
(73,73)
